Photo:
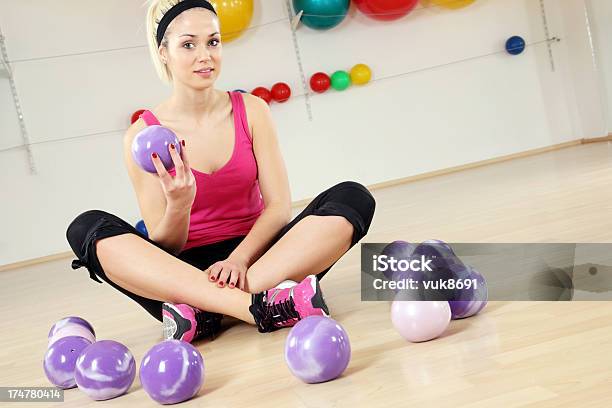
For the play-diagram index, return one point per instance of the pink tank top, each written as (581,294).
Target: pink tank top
(228,201)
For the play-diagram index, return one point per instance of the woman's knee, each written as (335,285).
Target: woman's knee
(356,196)
(83,228)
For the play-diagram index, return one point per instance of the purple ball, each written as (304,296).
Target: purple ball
(398,250)
(156,139)
(172,371)
(60,360)
(441,254)
(69,321)
(105,369)
(442,258)
(467,302)
(317,349)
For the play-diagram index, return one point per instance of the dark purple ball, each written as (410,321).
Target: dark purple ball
(467,302)
(442,258)
(400,250)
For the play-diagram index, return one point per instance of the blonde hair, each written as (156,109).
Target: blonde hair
(155,12)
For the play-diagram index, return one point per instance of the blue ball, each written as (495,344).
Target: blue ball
(515,45)
(322,14)
(142,228)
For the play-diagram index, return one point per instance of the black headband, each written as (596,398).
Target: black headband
(175,11)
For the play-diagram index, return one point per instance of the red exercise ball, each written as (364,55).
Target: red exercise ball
(136,115)
(386,10)
(320,82)
(281,92)
(263,93)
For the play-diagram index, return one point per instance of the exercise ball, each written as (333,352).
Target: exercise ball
(449,4)
(386,10)
(418,321)
(234,17)
(281,92)
(142,228)
(515,45)
(321,14)
(264,93)
(340,80)
(361,74)
(317,349)
(136,115)
(320,82)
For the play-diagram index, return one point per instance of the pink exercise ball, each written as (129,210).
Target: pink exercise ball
(418,321)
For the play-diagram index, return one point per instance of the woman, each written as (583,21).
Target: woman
(228,215)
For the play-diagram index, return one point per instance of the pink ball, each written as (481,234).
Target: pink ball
(420,321)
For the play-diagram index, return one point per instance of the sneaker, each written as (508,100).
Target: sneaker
(283,307)
(186,323)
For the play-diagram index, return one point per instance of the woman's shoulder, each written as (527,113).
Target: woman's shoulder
(256,108)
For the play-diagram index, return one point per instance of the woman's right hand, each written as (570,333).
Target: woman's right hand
(179,190)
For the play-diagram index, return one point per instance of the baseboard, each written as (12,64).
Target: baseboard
(35,261)
(376,186)
(598,139)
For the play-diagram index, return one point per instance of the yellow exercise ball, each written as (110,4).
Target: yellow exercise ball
(234,17)
(449,4)
(361,74)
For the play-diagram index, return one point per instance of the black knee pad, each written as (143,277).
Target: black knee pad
(356,196)
(353,201)
(88,227)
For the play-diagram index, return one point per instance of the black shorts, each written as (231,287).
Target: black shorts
(348,199)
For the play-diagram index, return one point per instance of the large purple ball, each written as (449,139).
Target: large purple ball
(442,258)
(60,360)
(156,139)
(467,302)
(172,371)
(105,369)
(317,349)
(400,250)
(66,321)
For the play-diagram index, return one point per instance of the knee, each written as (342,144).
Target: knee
(81,226)
(356,196)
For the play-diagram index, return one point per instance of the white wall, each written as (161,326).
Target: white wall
(440,117)
(600,12)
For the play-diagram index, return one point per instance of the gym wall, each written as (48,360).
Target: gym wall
(445,93)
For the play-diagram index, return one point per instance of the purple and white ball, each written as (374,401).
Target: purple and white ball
(105,370)
(317,349)
(60,360)
(468,302)
(172,371)
(71,326)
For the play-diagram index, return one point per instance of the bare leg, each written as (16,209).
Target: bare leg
(312,245)
(146,270)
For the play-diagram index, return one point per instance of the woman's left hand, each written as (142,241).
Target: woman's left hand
(229,271)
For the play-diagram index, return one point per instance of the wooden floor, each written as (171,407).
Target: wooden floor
(525,354)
